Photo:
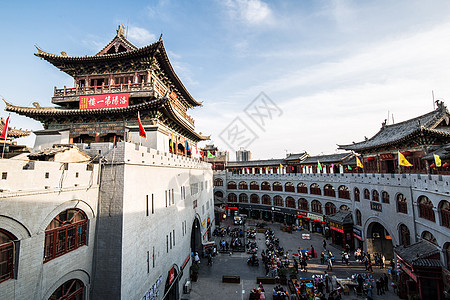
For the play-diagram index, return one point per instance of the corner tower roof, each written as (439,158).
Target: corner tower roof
(119,51)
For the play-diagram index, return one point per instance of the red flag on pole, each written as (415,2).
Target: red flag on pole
(4,134)
(142,132)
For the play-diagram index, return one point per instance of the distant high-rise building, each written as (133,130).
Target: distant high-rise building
(243,155)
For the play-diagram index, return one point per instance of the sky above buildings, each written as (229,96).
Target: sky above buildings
(275,77)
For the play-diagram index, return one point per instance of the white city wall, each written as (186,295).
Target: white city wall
(150,172)
(28,203)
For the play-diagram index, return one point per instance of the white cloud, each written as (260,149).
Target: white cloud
(140,36)
(252,12)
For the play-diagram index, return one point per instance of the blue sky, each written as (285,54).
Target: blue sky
(334,69)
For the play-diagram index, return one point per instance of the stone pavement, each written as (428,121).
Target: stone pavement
(210,286)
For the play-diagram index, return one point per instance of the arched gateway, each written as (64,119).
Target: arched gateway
(379,240)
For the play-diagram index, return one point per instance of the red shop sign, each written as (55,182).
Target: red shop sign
(337,229)
(171,275)
(302,214)
(386,156)
(104,101)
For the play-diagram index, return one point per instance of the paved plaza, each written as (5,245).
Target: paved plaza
(210,286)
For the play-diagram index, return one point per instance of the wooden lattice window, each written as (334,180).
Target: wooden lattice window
(243,198)
(426,209)
(277,201)
(402,205)
(385,197)
(232,185)
(375,196)
(243,185)
(366,194)
(316,206)
(232,197)
(277,187)
(65,233)
(330,208)
(70,290)
(315,189)
(329,191)
(254,186)
(405,238)
(356,194)
(303,204)
(289,187)
(7,255)
(266,200)
(254,198)
(444,211)
(302,188)
(265,186)
(290,202)
(343,192)
(218,182)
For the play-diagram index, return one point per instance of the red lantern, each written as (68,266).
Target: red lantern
(370,158)
(432,166)
(407,153)
(446,165)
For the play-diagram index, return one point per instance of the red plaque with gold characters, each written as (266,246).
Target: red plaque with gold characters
(104,101)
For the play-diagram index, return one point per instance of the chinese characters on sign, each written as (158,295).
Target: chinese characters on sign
(104,101)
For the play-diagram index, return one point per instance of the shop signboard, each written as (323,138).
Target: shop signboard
(376,206)
(315,217)
(385,156)
(357,233)
(302,214)
(104,101)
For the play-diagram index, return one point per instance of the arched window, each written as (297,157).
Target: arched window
(232,197)
(344,208)
(343,192)
(303,204)
(426,235)
(402,206)
(243,185)
(265,186)
(302,188)
(232,185)
(70,290)
(254,198)
(218,194)
(356,194)
(316,206)
(290,202)
(328,190)
(266,200)
(330,208)
(7,254)
(289,187)
(444,212)
(426,209)
(254,186)
(385,197)
(277,201)
(218,182)
(243,198)
(65,233)
(277,187)
(315,189)
(375,196)
(358,217)
(366,194)
(405,238)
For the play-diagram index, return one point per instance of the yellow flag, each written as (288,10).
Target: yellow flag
(437,160)
(359,163)
(402,160)
(281,165)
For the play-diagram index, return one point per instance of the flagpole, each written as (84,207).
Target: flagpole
(4,145)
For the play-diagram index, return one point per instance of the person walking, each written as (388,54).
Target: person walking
(322,258)
(324,244)
(329,264)
(386,282)
(369,267)
(209,259)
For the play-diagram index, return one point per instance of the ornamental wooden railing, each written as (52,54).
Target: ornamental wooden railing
(113,88)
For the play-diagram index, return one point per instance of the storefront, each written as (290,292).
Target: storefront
(317,222)
(303,220)
(341,227)
(420,271)
(358,239)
